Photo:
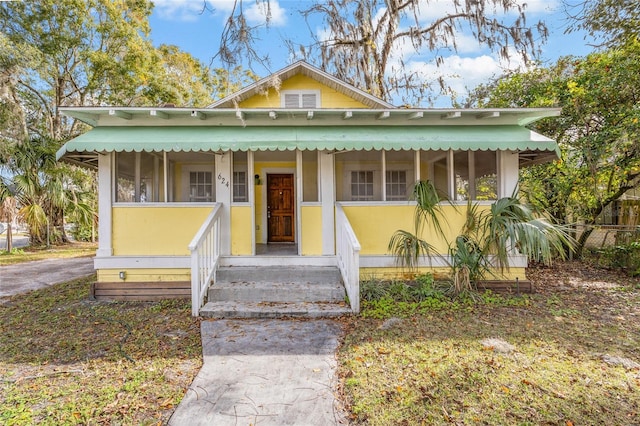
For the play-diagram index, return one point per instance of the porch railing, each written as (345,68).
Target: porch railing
(348,254)
(205,251)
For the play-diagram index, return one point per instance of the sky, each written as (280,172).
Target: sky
(196,29)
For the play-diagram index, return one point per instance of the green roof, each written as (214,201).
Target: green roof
(339,138)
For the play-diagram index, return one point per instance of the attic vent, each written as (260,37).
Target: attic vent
(301,99)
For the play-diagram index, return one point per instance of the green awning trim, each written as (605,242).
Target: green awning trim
(339,138)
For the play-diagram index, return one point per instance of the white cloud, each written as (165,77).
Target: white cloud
(179,10)
(190,10)
(461,73)
(438,8)
(540,6)
(257,13)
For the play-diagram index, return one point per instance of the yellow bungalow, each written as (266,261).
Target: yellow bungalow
(298,169)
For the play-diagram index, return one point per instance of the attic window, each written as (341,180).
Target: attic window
(300,99)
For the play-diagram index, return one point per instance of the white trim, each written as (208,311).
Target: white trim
(160,204)
(451,176)
(224,195)
(252,198)
(471,160)
(389,261)
(106,189)
(179,262)
(326,167)
(508,171)
(383,178)
(298,201)
(142,262)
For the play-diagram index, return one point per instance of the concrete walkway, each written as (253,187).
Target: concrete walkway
(265,372)
(255,372)
(23,277)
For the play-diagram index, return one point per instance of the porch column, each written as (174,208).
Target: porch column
(223,195)
(508,165)
(328,199)
(105,198)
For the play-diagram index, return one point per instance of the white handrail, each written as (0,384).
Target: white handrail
(348,254)
(205,251)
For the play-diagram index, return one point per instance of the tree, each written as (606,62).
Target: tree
(93,52)
(57,53)
(598,131)
(612,22)
(364,39)
(8,210)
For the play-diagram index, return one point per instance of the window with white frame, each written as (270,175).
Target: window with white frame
(197,184)
(200,186)
(240,187)
(396,185)
(362,185)
(308,99)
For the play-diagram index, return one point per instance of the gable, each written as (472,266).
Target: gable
(337,91)
(306,87)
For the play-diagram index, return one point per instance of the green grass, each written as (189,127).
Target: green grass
(430,368)
(66,360)
(29,254)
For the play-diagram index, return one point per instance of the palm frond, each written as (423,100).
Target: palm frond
(408,248)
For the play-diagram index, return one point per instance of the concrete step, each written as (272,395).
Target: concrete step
(276,292)
(268,291)
(273,310)
(282,274)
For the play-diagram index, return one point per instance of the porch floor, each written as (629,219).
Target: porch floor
(277,249)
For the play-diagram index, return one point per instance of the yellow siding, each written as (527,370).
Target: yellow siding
(144,275)
(155,231)
(329,98)
(311,232)
(241,230)
(374,226)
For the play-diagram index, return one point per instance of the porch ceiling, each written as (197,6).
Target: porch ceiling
(345,138)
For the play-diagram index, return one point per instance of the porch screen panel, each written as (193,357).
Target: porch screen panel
(125,177)
(140,177)
(192,177)
(240,179)
(399,174)
(309,176)
(438,161)
(486,175)
(359,176)
(461,174)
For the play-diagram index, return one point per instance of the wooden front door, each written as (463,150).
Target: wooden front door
(280,203)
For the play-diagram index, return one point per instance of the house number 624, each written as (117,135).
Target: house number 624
(223,180)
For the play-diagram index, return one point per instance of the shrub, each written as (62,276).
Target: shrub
(625,257)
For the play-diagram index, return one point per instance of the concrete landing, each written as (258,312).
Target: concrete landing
(265,372)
